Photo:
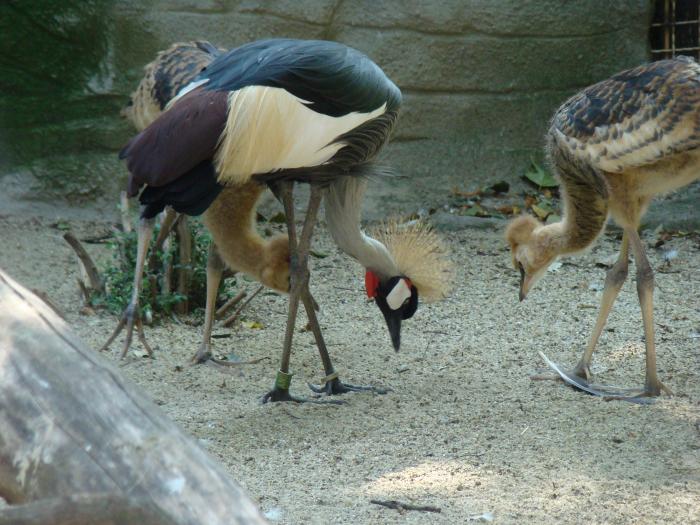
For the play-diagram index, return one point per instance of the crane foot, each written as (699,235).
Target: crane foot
(645,396)
(202,356)
(336,387)
(278,394)
(130,317)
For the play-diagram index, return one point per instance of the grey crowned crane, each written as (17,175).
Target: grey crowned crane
(278,112)
(232,211)
(614,146)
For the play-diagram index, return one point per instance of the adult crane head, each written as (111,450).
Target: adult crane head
(424,271)
(397,299)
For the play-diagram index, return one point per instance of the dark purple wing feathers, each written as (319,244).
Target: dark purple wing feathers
(177,141)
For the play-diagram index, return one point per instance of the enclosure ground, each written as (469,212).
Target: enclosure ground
(464,428)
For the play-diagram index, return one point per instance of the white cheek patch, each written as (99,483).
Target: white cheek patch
(398,295)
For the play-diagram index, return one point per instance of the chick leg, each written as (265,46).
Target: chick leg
(614,280)
(215,270)
(645,292)
(131,313)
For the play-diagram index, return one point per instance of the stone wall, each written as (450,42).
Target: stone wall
(480,78)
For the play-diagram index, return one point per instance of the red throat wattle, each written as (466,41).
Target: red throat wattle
(371,283)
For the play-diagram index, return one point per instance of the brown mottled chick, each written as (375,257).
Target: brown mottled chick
(614,146)
(171,70)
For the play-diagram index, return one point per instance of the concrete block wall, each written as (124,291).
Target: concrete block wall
(480,78)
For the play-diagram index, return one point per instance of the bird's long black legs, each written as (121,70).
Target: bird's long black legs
(299,291)
(614,280)
(131,314)
(298,280)
(331,383)
(215,270)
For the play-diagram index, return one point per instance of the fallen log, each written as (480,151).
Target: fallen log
(81,445)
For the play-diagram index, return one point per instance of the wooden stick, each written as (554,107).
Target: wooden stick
(124,209)
(184,271)
(232,319)
(96,282)
(45,297)
(168,220)
(230,304)
(393,504)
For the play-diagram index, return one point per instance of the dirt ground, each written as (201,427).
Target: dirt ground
(465,428)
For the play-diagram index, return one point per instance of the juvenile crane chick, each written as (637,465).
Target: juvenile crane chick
(614,146)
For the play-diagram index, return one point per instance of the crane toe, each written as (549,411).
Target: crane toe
(130,317)
(336,387)
(278,394)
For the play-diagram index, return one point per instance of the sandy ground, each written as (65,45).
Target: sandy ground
(464,429)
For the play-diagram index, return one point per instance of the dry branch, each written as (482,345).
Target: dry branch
(87,264)
(232,319)
(124,209)
(184,272)
(81,443)
(230,304)
(401,507)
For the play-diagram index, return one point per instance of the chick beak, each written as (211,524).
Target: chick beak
(524,284)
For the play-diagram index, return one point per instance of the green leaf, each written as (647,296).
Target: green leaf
(540,177)
(278,218)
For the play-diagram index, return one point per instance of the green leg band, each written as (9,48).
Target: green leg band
(283,380)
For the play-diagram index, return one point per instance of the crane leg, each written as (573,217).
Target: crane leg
(131,313)
(166,226)
(298,280)
(332,385)
(215,270)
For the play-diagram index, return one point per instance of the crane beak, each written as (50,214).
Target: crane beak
(393,322)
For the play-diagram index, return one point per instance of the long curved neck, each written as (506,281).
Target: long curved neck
(585,194)
(343,210)
(233,211)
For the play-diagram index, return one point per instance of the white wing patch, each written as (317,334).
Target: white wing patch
(189,87)
(269,129)
(398,295)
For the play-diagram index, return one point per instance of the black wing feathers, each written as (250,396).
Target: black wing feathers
(334,79)
(192,193)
